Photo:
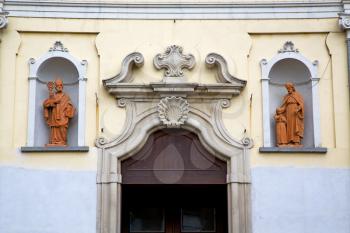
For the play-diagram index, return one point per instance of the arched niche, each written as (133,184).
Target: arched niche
(57,63)
(290,66)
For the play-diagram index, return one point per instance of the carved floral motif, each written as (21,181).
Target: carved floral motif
(173,61)
(288,47)
(173,111)
(58,46)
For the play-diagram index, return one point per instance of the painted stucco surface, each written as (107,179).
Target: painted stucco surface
(47,201)
(104,44)
(295,200)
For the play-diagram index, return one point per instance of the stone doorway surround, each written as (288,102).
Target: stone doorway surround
(173,103)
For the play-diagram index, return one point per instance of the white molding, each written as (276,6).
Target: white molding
(34,66)
(82,102)
(265,103)
(109,10)
(31,112)
(266,67)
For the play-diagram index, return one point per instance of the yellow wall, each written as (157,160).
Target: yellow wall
(104,44)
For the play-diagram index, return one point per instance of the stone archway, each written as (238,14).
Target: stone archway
(198,108)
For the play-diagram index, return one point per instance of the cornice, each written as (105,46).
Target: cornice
(238,10)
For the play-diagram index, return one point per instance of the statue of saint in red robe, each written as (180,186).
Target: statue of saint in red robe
(58,110)
(293,110)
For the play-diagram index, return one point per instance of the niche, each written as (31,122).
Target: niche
(57,63)
(290,66)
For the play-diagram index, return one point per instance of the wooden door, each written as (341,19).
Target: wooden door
(173,157)
(174,185)
(174,209)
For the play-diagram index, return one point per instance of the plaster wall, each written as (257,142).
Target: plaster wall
(47,201)
(287,199)
(104,44)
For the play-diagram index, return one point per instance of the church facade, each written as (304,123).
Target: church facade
(199,116)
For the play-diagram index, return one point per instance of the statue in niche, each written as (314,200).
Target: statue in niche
(290,119)
(58,110)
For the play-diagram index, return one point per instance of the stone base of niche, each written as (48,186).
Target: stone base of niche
(320,150)
(28,149)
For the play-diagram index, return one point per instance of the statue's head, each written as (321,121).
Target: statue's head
(279,110)
(290,87)
(59,85)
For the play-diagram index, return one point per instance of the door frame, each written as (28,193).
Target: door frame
(201,107)
(109,178)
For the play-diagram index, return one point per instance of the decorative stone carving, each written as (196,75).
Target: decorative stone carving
(290,119)
(125,75)
(223,75)
(58,110)
(173,111)
(174,62)
(3,16)
(288,47)
(3,20)
(58,46)
(344,21)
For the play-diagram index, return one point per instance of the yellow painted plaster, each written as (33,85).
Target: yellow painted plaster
(104,43)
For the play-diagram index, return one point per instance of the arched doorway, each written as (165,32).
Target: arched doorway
(195,109)
(172,185)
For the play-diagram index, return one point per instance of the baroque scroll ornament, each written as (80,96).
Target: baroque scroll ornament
(173,111)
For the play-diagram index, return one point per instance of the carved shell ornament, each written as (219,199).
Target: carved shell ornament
(173,111)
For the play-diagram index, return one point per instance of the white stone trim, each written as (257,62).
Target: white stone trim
(265,104)
(190,10)
(34,66)
(82,103)
(31,111)
(266,67)
(316,111)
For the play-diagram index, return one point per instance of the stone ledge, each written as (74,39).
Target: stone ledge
(319,150)
(28,149)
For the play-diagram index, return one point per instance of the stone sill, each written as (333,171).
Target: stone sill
(29,149)
(314,150)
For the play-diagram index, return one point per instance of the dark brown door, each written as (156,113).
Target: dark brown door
(174,208)
(172,185)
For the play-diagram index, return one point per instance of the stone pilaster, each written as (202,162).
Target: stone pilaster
(344,22)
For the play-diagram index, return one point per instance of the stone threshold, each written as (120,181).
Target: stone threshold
(319,150)
(28,149)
